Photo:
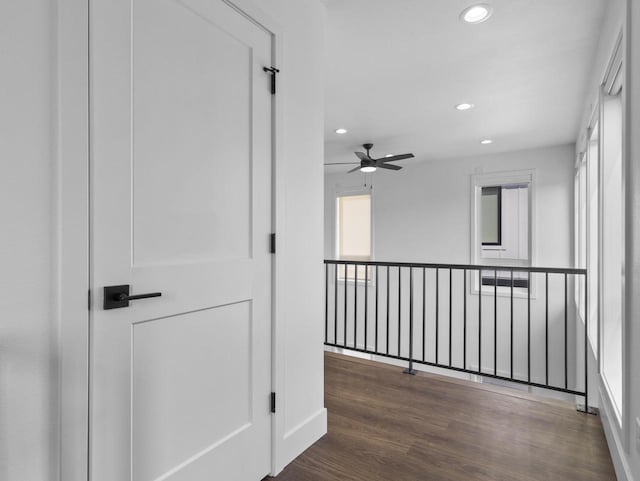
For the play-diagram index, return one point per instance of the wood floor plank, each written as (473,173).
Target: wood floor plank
(387,426)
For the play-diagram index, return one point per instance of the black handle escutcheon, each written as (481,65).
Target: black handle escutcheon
(116,297)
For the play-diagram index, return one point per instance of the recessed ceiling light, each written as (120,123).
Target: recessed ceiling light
(341,131)
(486,141)
(368,169)
(476,13)
(464,106)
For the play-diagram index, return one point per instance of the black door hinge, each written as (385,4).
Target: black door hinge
(273,402)
(89,299)
(272,243)
(273,71)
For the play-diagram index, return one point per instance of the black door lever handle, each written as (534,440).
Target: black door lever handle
(116,297)
(124,297)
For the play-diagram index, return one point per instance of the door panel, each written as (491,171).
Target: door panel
(166,355)
(174,118)
(181,203)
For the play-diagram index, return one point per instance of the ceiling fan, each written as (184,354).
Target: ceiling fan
(369,164)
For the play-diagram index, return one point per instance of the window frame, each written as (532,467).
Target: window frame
(613,84)
(498,189)
(494,179)
(352,191)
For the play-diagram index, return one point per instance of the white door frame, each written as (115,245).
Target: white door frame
(72,239)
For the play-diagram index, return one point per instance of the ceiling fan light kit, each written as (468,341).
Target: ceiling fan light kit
(368,164)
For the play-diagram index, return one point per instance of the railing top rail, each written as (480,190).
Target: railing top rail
(550,270)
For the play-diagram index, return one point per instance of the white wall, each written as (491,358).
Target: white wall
(301,418)
(423,214)
(28,389)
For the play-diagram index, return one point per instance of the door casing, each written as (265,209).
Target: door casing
(71,244)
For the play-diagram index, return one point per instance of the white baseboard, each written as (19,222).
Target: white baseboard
(616,448)
(300,438)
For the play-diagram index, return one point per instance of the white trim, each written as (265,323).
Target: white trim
(611,432)
(301,437)
(593,122)
(616,65)
(278,346)
(72,224)
(628,189)
(477,181)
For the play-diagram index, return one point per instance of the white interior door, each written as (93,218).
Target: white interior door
(181,204)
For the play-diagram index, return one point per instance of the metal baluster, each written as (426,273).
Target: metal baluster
(529,327)
(326,303)
(377,291)
(410,369)
(344,342)
(511,331)
(366,305)
(424,312)
(480,320)
(546,328)
(335,304)
(355,306)
(387,310)
(464,319)
(586,347)
(437,311)
(399,307)
(566,375)
(450,312)
(495,322)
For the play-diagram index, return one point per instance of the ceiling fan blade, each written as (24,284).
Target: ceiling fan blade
(362,156)
(354,169)
(390,166)
(393,158)
(342,163)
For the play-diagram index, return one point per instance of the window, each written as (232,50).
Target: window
(353,232)
(580,222)
(592,235)
(612,228)
(502,230)
(491,216)
(612,247)
(586,228)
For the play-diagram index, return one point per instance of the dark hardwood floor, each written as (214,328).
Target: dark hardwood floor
(388,426)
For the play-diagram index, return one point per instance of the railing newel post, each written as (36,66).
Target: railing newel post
(410,369)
